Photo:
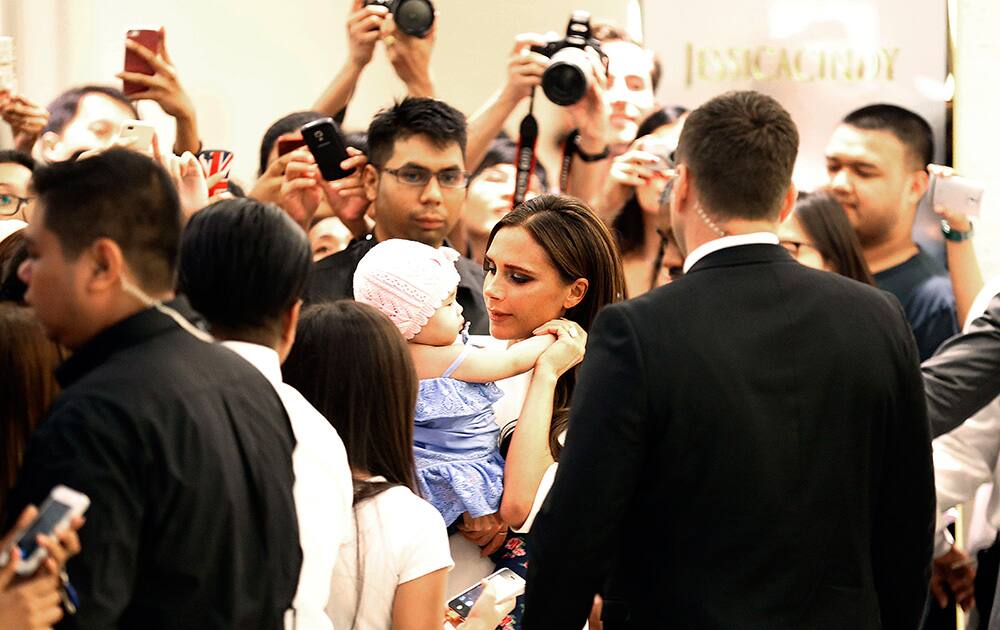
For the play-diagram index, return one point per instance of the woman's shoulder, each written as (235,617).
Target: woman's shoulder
(399,505)
(412,530)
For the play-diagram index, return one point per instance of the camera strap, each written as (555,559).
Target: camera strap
(527,140)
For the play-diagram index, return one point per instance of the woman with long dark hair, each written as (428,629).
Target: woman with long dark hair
(353,365)
(819,235)
(633,202)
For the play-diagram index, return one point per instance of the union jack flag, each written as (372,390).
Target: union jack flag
(216,162)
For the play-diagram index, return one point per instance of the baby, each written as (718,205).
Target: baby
(459,467)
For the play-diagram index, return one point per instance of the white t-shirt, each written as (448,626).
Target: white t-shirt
(402,538)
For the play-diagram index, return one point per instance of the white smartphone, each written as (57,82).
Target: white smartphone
(142,132)
(957,194)
(54,516)
(508,585)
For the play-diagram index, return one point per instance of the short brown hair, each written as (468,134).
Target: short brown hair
(740,148)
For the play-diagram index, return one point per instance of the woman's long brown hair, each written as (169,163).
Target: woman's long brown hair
(27,388)
(353,365)
(579,245)
(826,223)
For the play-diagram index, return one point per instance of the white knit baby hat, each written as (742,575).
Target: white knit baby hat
(406,280)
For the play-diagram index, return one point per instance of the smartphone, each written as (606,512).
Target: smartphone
(328,147)
(54,516)
(141,131)
(662,150)
(287,145)
(957,194)
(149,38)
(216,162)
(507,584)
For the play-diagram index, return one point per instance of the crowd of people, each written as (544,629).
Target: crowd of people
(665,388)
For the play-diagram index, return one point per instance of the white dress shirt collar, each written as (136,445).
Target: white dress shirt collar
(261,357)
(754,238)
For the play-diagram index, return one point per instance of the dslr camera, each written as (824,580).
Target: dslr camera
(413,17)
(570,69)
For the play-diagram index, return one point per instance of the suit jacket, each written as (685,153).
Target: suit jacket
(332,279)
(964,375)
(764,461)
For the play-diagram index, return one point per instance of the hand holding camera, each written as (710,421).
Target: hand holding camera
(410,55)
(364,26)
(525,67)
(575,62)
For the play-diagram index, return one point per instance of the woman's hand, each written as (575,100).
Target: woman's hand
(629,171)
(567,351)
(487,613)
(488,531)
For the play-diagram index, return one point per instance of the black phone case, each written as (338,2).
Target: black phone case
(327,144)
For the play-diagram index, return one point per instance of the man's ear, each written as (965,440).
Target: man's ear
(788,204)
(289,323)
(681,189)
(917,185)
(577,291)
(107,264)
(369,178)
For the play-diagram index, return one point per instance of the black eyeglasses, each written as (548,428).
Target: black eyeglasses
(419,176)
(12,204)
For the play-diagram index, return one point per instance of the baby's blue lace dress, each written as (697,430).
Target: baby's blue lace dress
(459,467)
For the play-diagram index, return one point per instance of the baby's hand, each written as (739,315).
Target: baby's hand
(568,348)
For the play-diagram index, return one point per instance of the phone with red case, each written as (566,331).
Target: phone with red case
(148,38)
(216,162)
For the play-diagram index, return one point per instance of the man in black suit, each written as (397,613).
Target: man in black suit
(765,460)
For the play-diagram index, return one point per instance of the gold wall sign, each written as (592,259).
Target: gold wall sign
(775,63)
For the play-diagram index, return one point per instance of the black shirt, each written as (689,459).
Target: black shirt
(922,286)
(185,451)
(332,279)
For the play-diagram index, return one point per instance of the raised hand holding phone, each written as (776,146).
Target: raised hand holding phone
(150,74)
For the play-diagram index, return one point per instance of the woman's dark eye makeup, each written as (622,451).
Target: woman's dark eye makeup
(519,278)
(515,276)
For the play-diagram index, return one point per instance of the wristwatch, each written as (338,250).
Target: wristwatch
(954,235)
(590,157)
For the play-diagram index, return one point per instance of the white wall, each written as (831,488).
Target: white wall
(977,123)
(246,64)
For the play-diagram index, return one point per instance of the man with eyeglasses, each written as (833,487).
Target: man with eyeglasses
(416,182)
(15,173)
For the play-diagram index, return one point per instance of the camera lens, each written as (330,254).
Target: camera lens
(414,17)
(564,83)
